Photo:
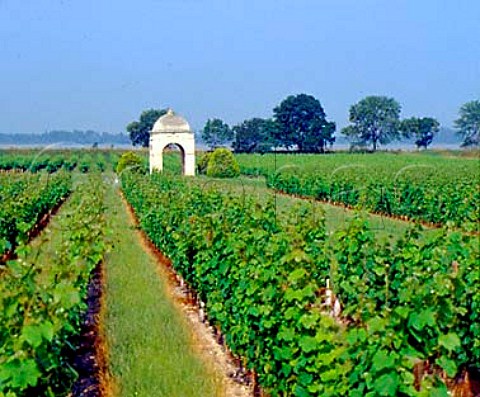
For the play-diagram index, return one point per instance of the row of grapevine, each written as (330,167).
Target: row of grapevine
(263,282)
(42,303)
(35,163)
(429,189)
(25,198)
(54,160)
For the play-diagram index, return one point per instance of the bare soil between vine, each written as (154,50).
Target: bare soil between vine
(208,341)
(90,356)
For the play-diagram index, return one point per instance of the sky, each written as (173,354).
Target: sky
(96,64)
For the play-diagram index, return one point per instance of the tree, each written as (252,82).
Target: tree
(301,121)
(139,131)
(254,135)
(375,119)
(216,133)
(468,124)
(422,129)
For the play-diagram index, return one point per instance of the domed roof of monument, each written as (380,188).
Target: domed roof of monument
(170,123)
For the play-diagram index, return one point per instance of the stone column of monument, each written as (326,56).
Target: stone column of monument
(172,129)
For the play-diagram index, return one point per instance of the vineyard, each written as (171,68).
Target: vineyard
(263,282)
(424,188)
(306,305)
(43,299)
(25,199)
(54,160)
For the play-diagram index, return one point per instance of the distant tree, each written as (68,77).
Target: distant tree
(468,124)
(422,129)
(64,137)
(375,119)
(254,135)
(139,131)
(216,133)
(302,121)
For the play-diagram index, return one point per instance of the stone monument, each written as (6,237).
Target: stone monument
(172,129)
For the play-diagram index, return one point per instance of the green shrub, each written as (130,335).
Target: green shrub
(202,163)
(130,160)
(84,165)
(222,164)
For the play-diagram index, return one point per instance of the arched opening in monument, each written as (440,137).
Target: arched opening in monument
(173,159)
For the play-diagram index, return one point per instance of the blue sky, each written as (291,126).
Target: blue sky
(94,64)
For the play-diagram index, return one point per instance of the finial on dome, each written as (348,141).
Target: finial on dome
(170,112)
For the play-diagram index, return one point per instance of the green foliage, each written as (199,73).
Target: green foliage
(262,278)
(139,131)
(172,161)
(301,121)
(50,162)
(202,163)
(216,133)
(130,160)
(53,160)
(414,300)
(25,199)
(42,303)
(254,135)
(222,164)
(375,119)
(420,187)
(468,124)
(422,129)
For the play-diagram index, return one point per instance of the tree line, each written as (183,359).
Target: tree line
(77,137)
(299,123)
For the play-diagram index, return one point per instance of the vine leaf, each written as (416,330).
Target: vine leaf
(20,373)
(448,365)
(382,360)
(449,341)
(386,385)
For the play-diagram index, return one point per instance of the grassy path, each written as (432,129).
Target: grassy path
(151,352)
